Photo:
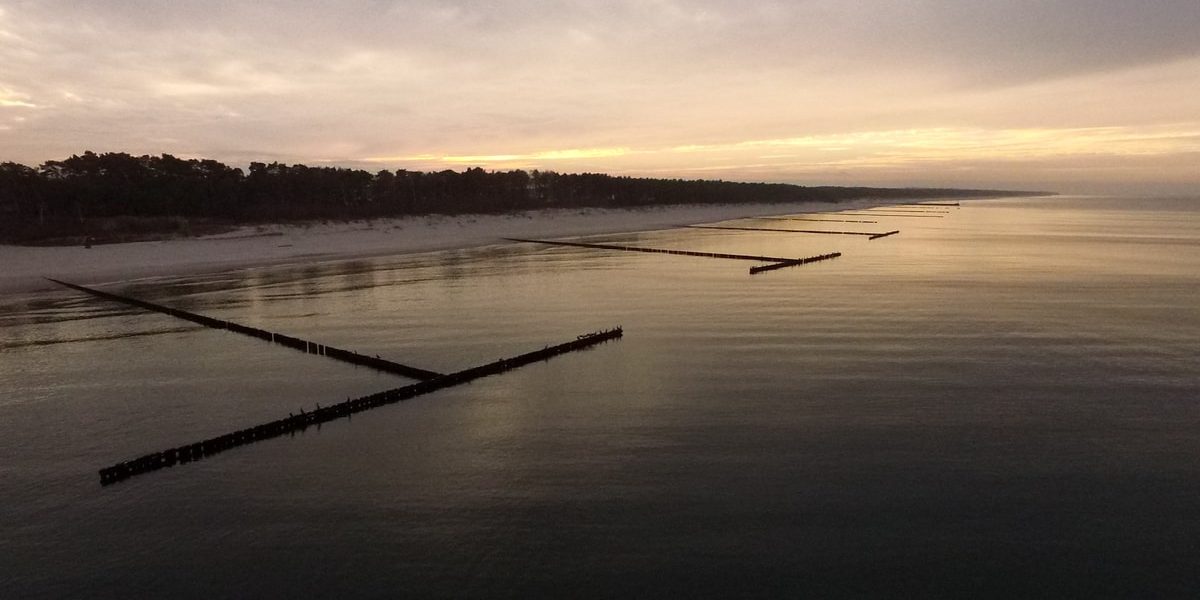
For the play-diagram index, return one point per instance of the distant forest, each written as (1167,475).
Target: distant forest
(115,196)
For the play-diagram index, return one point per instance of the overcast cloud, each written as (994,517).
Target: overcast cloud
(1065,94)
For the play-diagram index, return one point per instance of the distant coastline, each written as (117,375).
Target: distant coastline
(265,245)
(116,197)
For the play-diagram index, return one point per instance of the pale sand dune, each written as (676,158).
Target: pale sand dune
(23,268)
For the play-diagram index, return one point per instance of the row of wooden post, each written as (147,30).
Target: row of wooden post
(299,422)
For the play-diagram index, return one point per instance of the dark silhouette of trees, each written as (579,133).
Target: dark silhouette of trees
(115,195)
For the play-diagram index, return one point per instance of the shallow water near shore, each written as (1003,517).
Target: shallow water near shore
(1002,401)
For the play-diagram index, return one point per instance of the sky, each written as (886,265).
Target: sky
(1092,96)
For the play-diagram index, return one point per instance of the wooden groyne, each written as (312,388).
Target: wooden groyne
(879,214)
(869,235)
(793,263)
(654,250)
(776,262)
(816,220)
(354,358)
(907,210)
(931,204)
(293,423)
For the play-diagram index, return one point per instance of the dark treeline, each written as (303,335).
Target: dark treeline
(118,196)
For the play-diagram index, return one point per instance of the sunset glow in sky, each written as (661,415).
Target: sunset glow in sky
(1072,95)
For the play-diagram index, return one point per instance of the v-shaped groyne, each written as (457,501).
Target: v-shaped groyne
(298,422)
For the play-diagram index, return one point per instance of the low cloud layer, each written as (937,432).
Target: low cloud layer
(1065,94)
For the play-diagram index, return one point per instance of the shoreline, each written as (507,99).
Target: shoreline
(267,245)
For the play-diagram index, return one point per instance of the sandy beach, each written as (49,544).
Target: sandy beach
(24,268)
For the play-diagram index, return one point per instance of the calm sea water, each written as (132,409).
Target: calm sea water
(1003,402)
